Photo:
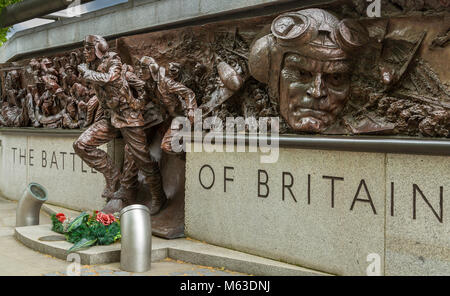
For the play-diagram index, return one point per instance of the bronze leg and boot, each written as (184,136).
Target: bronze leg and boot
(154,182)
(85,147)
(129,182)
(176,126)
(137,151)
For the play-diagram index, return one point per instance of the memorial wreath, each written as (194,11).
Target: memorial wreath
(87,230)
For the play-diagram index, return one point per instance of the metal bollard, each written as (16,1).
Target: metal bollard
(29,206)
(136,229)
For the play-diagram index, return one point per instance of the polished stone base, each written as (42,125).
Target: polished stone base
(345,213)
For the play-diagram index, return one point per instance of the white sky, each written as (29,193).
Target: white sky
(88,7)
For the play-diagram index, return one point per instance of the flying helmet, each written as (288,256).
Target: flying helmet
(312,33)
(154,68)
(46,62)
(174,69)
(100,44)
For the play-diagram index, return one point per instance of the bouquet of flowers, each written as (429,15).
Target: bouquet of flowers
(87,230)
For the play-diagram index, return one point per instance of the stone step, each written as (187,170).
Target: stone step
(183,249)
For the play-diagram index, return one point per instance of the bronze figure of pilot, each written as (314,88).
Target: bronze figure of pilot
(123,102)
(306,62)
(174,97)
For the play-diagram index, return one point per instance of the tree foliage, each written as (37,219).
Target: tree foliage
(4,31)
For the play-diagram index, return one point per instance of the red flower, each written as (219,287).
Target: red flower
(113,219)
(61,217)
(105,219)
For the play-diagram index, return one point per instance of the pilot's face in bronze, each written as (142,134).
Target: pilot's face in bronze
(143,71)
(89,53)
(312,92)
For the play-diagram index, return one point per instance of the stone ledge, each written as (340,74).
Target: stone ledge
(41,131)
(29,236)
(373,144)
(186,250)
(376,144)
(51,209)
(241,262)
(135,17)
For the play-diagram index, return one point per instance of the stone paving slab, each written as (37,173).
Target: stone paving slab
(53,209)
(205,254)
(29,236)
(187,256)
(166,267)
(15,258)
(187,250)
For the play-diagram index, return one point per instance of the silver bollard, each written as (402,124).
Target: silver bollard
(29,206)
(136,230)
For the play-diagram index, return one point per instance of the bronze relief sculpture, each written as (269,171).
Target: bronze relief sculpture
(327,70)
(169,92)
(123,112)
(319,72)
(306,63)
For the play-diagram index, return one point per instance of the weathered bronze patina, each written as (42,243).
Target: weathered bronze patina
(305,62)
(123,112)
(321,70)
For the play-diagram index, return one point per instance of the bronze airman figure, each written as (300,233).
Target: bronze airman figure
(123,114)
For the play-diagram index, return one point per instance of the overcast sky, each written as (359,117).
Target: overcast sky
(91,6)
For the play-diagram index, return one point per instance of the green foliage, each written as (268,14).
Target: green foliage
(57,226)
(109,236)
(85,231)
(4,3)
(83,243)
(77,234)
(82,218)
(4,31)
(97,229)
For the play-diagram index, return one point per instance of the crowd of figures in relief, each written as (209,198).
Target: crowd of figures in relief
(381,75)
